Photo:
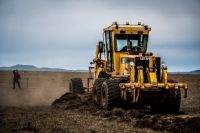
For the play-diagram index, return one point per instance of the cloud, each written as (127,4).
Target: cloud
(59,33)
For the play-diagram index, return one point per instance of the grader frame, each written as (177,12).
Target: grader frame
(141,75)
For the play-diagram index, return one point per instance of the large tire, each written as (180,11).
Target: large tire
(110,94)
(157,107)
(76,86)
(173,101)
(96,91)
(169,104)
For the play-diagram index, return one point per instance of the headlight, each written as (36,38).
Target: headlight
(131,64)
(163,64)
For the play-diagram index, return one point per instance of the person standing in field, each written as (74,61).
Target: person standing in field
(16,78)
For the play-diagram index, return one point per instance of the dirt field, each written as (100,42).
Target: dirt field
(72,113)
(38,88)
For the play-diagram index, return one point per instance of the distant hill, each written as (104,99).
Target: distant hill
(195,72)
(24,67)
(34,68)
(191,72)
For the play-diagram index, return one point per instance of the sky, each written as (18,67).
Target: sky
(63,33)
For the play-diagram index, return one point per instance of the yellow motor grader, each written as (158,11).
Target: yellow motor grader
(124,72)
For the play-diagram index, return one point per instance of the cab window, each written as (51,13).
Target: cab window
(109,50)
(136,40)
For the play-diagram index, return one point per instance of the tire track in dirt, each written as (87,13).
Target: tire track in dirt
(142,118)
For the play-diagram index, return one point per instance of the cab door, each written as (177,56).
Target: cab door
(109,51)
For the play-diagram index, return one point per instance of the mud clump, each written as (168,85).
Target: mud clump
(135,113)
(150,122)
(118,112)
(68,101)
(126,115)
(72,101)
(174,124)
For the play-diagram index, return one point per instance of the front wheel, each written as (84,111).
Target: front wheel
(173,101)
(169,103)
(96,90)
(110,94)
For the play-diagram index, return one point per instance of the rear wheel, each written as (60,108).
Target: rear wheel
(76,85)
(96,91)
(110,94)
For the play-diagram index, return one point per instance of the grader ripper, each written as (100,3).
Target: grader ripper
(125,73)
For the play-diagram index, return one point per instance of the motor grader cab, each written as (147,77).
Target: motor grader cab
(125,72)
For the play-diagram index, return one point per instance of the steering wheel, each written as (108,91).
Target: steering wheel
(136,48)
(124,49)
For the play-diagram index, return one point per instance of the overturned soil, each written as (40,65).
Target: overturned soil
(141,118)
(74,113)
(71,101)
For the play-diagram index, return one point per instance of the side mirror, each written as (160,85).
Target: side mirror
(101,47)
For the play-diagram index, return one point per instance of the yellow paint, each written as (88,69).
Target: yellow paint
(136,83)
(140,75)
(150,63)
(164,75)
(153,77)
(132,74)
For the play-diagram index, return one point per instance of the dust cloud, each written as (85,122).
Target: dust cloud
(38,88)
(22,97)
